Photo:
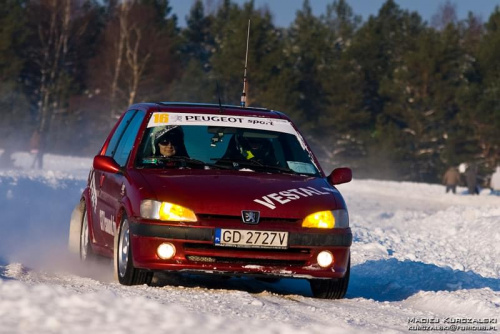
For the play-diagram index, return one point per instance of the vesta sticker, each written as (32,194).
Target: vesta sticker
(283,197)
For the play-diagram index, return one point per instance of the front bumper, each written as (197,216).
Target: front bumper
(196,252)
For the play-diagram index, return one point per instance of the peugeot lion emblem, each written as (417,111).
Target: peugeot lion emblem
(250,217)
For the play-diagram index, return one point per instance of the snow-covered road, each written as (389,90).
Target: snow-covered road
(418,255)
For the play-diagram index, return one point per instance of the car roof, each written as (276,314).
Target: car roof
(208,108)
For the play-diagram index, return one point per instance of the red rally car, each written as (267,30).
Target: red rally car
(200,188)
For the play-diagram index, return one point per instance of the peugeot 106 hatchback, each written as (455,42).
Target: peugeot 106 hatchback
(199,188)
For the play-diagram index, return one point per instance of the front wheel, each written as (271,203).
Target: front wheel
(124,267)
(331,288)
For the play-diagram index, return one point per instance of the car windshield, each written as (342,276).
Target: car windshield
(219,147)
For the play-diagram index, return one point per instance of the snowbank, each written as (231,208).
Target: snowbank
(417,253)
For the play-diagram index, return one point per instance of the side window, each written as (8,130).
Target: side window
(118,133)
(127,141)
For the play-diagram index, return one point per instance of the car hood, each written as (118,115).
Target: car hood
(228,192)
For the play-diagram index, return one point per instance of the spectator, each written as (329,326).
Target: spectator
(36,148)
(451,179)
(495,182)
(471,179)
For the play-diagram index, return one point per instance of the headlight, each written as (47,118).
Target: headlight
(166,211)
(327,219)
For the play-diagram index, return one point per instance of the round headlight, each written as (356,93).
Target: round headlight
(325,259)
(166,251)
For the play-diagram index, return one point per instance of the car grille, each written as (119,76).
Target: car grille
(208,218)
(247,256)
(246,261)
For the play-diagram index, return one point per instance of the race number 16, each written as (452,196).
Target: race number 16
(160,118)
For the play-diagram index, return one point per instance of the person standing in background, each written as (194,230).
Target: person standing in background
(471,179)
(451,179)
(36,148)
(495,182)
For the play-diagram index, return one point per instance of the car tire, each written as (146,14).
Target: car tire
(125,271)
(331,288)
(86,253)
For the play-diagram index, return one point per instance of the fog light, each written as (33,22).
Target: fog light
(325,259)
(166,251)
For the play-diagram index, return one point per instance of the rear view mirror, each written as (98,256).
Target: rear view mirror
(340,175)
(106,164)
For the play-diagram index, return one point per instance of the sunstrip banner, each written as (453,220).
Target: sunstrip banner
(270,124)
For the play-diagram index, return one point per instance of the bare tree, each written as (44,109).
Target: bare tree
(446,14)
(136,59)
(53,36)
(123,12)
(55,26)
(136,62)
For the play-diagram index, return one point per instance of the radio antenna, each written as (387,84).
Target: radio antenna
(218,94)
(244,93)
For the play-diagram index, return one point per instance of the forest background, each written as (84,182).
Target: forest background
(393,97)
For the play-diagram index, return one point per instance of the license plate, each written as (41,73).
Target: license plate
(250,238)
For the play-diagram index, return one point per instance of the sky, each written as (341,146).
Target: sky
(284,10)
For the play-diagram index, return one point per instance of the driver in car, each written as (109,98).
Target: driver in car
(170,143)
(252,148)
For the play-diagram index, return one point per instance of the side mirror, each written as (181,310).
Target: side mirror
(340,175)
(106,164)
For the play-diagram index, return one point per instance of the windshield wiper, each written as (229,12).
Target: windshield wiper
(182,159)
(179,161)
(253,163)
(236,162)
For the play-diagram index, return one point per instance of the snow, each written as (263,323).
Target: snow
(418,253)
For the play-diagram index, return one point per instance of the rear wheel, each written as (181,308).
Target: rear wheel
(331,288)
(124,268)
(86,253)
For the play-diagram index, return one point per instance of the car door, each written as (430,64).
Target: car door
(102,213)
(114,185)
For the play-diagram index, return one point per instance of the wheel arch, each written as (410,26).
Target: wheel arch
(124,210)
(88,205)
(76,222)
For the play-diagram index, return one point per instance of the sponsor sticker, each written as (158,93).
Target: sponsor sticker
(279,198)
(271,124)
(106,223)
(93,190)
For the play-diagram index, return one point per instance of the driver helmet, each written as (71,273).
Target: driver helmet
(252,147)
(173,134)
